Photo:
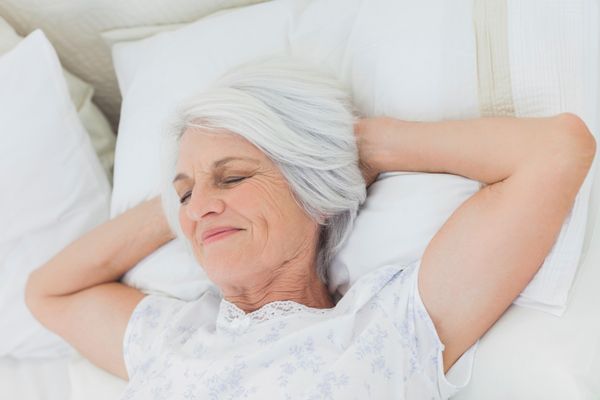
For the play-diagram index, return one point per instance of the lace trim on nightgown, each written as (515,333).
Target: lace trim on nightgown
(274,310)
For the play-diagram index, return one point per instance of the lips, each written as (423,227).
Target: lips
(213,234)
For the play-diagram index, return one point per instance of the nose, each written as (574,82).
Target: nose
(204,202)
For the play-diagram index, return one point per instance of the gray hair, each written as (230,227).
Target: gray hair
(303,120)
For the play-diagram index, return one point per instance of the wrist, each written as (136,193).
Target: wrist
(381,141)
(156,222)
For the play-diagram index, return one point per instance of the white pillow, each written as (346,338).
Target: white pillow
(148,101)
(53,186)
(102,136)
(553,52)
(433,77)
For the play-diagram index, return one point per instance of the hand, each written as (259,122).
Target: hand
(366,130)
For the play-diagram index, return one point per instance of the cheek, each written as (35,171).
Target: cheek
(187,226)
(272,209)
(256,202)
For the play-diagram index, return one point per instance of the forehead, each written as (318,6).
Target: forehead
(203,147)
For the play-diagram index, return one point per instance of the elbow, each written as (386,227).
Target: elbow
(37,301)
(576,138)
(30,294)
(33,295)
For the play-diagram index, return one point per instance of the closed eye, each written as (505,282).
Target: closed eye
(185,197)
(234,179)
(230,180)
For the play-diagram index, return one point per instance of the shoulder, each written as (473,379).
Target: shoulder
(155,307)
(384,287)
(387,279)
(158,316)
(402,305)
(159,319)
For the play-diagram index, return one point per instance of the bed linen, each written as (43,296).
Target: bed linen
(536,59)
(556,74)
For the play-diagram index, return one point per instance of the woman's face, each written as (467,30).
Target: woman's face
(238,211)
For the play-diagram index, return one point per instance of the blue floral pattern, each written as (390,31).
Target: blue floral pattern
(378,342)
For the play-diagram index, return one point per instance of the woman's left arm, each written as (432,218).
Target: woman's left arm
(494,243)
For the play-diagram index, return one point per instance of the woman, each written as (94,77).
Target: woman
(267,174)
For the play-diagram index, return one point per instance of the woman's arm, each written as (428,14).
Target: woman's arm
(76,295)
(103,254)
(493,244)
(485,149)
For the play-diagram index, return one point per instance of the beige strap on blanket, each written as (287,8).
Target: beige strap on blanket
(493,65)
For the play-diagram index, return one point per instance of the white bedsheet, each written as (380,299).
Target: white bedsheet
(32,379)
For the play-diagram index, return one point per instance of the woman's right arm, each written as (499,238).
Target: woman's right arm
(77,294)
(492,245)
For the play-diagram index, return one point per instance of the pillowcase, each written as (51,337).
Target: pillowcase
(540,37)
(152,88)
(102,136)
(54,188)
(437,66)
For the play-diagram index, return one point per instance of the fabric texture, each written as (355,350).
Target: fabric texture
(493,61)
(378,342)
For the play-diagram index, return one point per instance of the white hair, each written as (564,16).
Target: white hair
(303,120)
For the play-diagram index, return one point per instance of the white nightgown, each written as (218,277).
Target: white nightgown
(378,342)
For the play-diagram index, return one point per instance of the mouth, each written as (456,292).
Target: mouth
(218,234)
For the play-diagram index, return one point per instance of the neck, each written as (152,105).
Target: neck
(300,286)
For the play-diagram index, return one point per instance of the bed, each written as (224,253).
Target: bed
(525,61)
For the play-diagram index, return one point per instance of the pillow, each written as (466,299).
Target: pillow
(522,72)
(148,101)
(102,136)
(437,65)
(54,188)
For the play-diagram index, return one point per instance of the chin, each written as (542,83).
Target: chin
(227,273)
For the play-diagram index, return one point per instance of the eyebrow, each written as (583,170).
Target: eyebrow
(217,164)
